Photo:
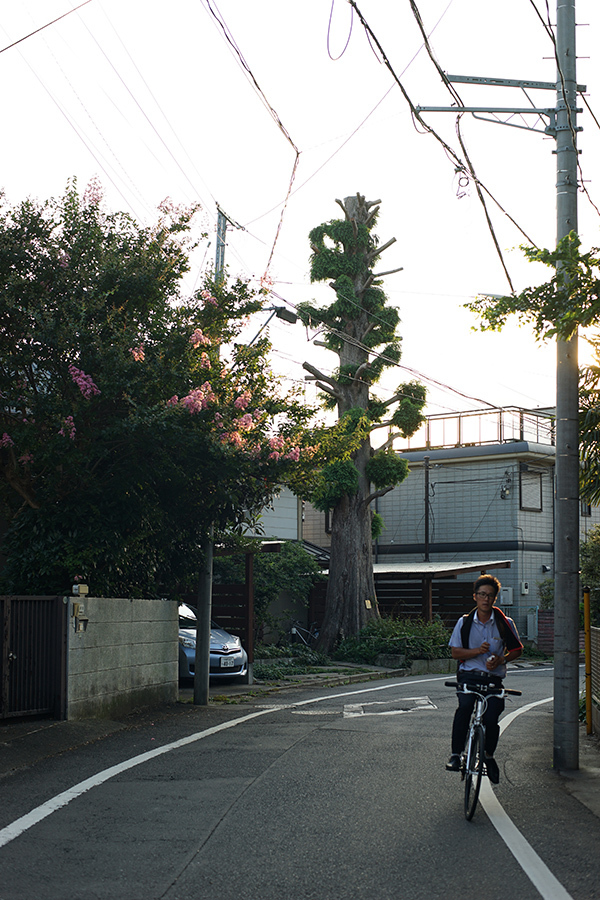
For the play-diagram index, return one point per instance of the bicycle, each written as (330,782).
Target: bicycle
(472,760)
(306,636)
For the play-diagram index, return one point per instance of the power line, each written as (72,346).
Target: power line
(47,25)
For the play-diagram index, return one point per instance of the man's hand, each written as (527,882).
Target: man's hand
(484,648)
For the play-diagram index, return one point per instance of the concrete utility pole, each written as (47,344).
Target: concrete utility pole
(562,124)
(566,552)
(204,608)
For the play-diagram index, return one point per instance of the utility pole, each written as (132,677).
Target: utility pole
(426,468)
(204,607)
(562,124)
(566,553)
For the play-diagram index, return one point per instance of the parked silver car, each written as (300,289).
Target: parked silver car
(228,659)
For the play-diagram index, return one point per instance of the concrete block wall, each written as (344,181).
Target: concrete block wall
(127,656)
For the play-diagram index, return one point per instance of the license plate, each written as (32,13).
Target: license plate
(227,662)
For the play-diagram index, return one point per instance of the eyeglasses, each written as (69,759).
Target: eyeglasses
(485,595)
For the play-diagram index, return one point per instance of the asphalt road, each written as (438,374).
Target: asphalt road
(339,794)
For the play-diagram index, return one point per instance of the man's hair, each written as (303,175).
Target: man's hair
(487,579)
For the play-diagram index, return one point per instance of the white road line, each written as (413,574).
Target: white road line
(536,870)
(10,832)
(16,828)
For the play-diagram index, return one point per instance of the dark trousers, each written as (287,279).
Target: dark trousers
(462,717)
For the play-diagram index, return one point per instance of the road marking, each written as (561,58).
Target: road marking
(540,876)
(388,708)
(16,828)
(536,870)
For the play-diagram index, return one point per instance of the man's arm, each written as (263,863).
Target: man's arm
(464,653)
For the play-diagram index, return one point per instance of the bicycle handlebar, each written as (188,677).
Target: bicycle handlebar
(485,688)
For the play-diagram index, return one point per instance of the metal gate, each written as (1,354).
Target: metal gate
(33,667)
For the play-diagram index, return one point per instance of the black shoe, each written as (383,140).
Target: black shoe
(453,764)
(493,772)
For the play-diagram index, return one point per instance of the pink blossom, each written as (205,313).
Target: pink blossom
(199,338)
(138,353)
(208,298)
(242,401)
(236,439)
(64,259)
(199,398)
(205,361)
(6,441)
(83,382)
(245,422)
(173,401)
(294,454)
(68,429)
(274,455)
(26,458)
(276,443)
(94,193)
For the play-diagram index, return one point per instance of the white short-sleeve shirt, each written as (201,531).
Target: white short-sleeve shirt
(480,632)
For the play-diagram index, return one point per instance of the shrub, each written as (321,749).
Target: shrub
(415,639)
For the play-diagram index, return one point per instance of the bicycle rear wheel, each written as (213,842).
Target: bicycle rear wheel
(474,770)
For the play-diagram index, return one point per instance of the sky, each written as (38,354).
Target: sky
(273,110)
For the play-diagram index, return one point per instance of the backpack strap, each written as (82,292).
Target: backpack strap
(511,641)
(509,638)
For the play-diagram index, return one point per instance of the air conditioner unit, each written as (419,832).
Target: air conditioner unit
(506,596)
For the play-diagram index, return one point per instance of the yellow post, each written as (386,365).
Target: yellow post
(588,658)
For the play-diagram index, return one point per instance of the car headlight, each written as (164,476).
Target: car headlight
(187,641)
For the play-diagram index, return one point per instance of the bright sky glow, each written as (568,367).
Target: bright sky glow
(155,101)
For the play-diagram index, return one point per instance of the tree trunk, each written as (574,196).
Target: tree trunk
(350,600)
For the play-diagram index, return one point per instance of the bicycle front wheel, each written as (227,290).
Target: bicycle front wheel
(474,770)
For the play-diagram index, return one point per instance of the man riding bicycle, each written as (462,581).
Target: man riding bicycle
(483,642)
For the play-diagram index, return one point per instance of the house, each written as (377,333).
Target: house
(480,493)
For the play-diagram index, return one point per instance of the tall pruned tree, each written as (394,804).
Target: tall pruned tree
(360,327)
(130,419)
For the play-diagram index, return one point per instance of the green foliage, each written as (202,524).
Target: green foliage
(337,480)
(415,639)
(386,468)
(377,525)
(292,570)
(131,420)
(570,299)
(408,415)
(589,429)
(545,592)
(589,554)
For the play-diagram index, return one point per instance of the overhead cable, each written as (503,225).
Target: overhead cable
(47,25)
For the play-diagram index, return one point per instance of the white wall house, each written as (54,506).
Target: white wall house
(282,519)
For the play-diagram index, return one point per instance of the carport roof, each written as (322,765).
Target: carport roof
(438,569)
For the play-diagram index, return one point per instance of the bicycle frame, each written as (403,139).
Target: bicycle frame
(472,761)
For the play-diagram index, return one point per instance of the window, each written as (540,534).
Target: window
(530,485)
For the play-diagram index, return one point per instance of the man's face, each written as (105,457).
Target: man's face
(484,598)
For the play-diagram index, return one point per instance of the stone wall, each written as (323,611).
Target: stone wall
(122,654)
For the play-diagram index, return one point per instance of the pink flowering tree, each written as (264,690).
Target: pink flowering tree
(132,419)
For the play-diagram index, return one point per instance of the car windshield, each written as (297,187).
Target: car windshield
(187,617)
